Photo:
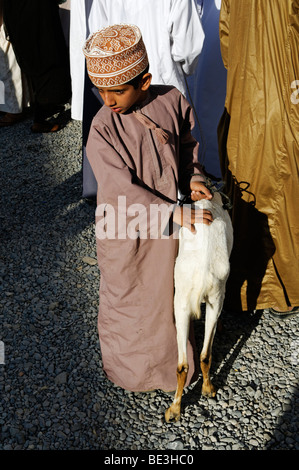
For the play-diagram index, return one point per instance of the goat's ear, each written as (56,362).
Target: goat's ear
(226,202)
(227,206)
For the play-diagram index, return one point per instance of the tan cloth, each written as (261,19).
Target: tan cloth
(259,43)
(136,324)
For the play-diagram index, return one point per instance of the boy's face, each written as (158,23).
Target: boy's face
(121,98)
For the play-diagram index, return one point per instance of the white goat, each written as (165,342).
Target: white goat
(201,271)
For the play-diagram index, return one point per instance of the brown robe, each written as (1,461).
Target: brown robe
(136,323)
(259,143)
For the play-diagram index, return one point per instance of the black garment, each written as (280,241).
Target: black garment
(35,31)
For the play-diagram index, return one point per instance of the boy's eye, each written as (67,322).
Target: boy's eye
(120,92)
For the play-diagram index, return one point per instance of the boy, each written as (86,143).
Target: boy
(141,152)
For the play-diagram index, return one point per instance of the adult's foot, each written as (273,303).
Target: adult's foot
(41,127)
(9,119)
(285,313)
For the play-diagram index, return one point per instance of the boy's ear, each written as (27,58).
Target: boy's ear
(145,81)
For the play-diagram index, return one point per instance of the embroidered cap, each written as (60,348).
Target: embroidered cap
(115,55)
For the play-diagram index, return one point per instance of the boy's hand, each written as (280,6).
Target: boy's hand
(186,217)
(199,191)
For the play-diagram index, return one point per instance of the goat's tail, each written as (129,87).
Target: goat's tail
(196,300)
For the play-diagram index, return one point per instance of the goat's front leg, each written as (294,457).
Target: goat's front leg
(182,325)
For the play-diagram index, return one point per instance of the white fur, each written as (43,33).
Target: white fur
(201,270)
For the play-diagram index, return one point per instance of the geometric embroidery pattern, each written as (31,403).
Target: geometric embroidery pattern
(115,55)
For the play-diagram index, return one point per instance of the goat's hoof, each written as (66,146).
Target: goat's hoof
(171,415)
(208,391)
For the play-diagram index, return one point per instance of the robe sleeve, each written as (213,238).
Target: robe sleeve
(186,33)
(118,186)
(224,30)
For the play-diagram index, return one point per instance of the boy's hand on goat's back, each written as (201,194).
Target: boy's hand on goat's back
(199,191)
(187,216)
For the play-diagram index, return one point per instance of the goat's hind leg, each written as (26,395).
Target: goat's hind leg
(212,315)
(173,413)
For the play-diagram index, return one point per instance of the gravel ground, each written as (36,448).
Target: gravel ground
(54,395)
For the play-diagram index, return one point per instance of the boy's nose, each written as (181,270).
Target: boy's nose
(109,99)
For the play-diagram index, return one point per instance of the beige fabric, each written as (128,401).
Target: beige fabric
(260,149)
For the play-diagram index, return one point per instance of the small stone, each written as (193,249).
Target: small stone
(175,445)
(61,378)
(42,279)
(170,437)
(253,442)
(89,260)
(277,411)
(53,305)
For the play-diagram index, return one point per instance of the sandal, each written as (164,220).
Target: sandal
(9,119)
(284,314)
(41,127)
